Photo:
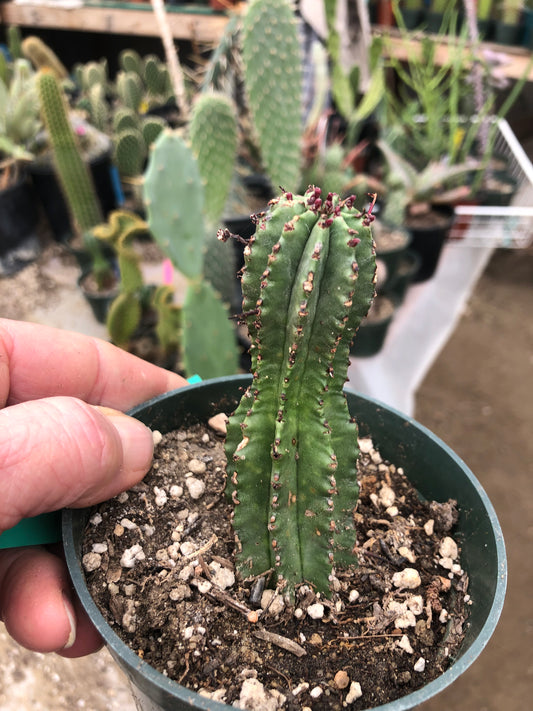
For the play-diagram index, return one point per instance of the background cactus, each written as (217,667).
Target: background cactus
(174,198)
(213,135)
(273,74)
(43,57)
(143,82)
(19,110)
(73,173)
(291,445)
(132,138)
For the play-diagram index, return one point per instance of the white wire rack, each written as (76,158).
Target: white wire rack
(501,226)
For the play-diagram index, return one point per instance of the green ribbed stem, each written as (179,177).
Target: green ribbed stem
(291,444)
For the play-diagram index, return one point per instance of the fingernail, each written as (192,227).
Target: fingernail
(136,438)
(72,622)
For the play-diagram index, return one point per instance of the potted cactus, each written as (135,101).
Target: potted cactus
(274,562)
(70,143)
(19,124)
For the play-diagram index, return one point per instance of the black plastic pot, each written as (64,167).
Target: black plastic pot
(19,242)
(372,333)
(428,242)
(506,33)
(432,467)
(392,257)
(51,197)
(412,18)
(99,302)
(407,268)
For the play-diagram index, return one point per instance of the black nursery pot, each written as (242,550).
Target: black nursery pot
(51,197)
(432,467)
(428,242)
(18,218)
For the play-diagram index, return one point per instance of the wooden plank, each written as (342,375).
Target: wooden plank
(514,66)
(205,28)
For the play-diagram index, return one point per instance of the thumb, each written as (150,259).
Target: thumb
(60,451)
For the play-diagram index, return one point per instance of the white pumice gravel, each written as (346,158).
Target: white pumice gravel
(405,644)
(196,487)
(156,437)
(126,523)
(187,548)
(301,687)
(408,578)
(366,445)
(272,602)
(99,548)
(386,496)
(354,693)
(316,692)
(131,556)
(91,561)
(176,491)
(448,548)
(420,664)
(429,527)
(196,466)
(161,496)
(316,611)
(222,577)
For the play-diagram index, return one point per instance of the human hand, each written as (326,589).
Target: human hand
(63,442)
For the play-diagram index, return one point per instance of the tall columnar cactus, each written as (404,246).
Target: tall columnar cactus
(273,74)
(291,444)
(73,172)
(43,57)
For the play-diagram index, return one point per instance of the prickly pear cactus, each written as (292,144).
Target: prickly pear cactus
(291,444)
(174,199)
(130,152)
(213,135)
(272,63)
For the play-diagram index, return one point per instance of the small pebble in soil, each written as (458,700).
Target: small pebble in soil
(91,561)
(405,644)
(316,611)
(407,578)
(341,679)
(354,693)
(131,556)
(196,487)
(420,664)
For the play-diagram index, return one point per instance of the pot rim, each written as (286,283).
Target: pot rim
(169,687)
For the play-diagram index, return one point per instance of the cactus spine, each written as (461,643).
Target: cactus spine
(273,74)
(74,175)
(291,444)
